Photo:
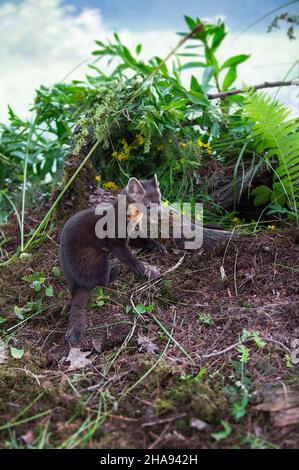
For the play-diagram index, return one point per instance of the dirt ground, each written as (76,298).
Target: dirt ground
(205,362)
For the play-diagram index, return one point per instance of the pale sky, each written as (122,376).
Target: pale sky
(41,41)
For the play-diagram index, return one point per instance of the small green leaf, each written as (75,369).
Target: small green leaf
(56,271)
(37,285)
(140,308)
(150,308)
(239,408)
(245,353)
(18,312)
(49,291)
(229,78)
(192,65)
(235,60)
(128,308)
(195,86)
(227,430)
(258,340)
(262,195)
(207,75)
(3,217)
(16,353)
(218,37)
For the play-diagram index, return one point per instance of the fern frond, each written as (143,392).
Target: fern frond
(276,135)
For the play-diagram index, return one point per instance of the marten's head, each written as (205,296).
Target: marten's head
(142,196)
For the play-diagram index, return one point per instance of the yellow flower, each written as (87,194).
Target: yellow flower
(236,220)
(208,148)
(98,178)
(139,139)
(205,146)
(124,153)
(110,185)
(271,227)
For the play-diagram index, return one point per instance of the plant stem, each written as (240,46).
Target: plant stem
(50,211)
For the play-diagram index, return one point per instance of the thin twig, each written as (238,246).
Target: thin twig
(162,421)
(225,94)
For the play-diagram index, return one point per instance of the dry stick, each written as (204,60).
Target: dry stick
(218,353)
(225,94)
(162,421)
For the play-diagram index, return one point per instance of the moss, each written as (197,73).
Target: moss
(162,406)
(201,399)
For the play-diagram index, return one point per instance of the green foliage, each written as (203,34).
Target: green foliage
(220,435)
(211,37)
(146,121)
(276,139)
(38,283)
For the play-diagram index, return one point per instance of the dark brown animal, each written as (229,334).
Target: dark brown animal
(85,257)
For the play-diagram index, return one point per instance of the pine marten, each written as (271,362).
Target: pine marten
(84,256)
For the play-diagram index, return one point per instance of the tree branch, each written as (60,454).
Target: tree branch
(225,94)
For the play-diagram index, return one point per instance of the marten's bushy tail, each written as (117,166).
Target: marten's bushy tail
(77,319)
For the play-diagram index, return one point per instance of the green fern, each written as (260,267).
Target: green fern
(275,135)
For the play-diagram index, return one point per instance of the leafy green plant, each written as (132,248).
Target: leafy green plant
(141,120)
(205,318)
(276,139)
(38,282)
(211,38)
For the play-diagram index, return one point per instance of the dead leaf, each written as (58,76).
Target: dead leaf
(3,352)
(78,359)
(97,344)
(198,424)
(177,251)
(147,345)
(28,438)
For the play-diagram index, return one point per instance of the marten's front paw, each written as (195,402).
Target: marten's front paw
(157,246)
(151,271)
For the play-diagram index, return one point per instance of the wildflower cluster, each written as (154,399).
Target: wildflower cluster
(204,146)
(110,185)
(125,151)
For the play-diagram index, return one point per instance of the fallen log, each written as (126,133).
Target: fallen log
(212,238)
(227,191)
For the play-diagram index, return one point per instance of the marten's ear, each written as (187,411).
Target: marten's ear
(155,180)
(135,190)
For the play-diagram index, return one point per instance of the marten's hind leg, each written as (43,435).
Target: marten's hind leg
(77,317)
(114,271)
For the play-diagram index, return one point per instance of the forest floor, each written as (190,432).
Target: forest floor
(205,363)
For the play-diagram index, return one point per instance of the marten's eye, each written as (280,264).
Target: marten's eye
(148,205)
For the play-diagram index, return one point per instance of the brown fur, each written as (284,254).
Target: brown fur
(84,256)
